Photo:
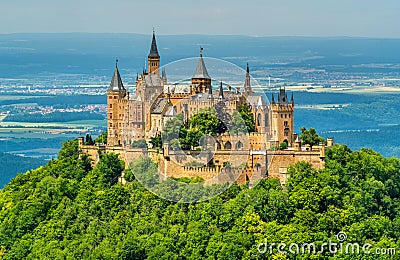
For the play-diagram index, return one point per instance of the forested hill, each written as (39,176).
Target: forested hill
(67,210)
(11,164)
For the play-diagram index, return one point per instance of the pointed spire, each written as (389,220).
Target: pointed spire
(282,97)
(201,70)
(116,82)
(247,84)
(221,91)
(210,92)
(153,48)
(164,75)
(292,99)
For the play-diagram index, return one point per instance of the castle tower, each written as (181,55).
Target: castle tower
(153,60)
(201,81)
(247,86)
(282,119)
(164,77)
(116,108)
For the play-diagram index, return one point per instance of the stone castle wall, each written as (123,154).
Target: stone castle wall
(256,162)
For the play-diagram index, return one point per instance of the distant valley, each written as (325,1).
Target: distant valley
(52,86)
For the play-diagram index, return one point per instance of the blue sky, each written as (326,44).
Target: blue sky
(367,18)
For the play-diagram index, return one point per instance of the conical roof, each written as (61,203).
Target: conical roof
(153,48)
(116,82)
(247,84)
(201,70)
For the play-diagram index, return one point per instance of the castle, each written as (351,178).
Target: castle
(143,115)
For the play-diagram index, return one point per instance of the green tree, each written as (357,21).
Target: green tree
(310,137)
(283,146)
(156,141)
(139,144)
(238,126)
(89,140)
(206,121)
(173,128)
(109,169)
(101,139)
(247,116)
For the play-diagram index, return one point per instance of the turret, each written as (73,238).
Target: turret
(247,86)
(221,92)
(201,81)
(164,76)
(153,60)
(115,107)
(282,119)
(210,93)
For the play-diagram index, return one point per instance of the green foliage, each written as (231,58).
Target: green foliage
(194,164)
(283,146)
(156,141)
(190,180)
(206,122)
(139,144)
(247,117)
(310,137)
(108,169)
(101,139)
(187,136)
(89,140)
(68,210)
(173,128)
(13,164)
(238,126)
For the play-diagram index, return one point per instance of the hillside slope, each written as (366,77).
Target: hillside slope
(67,210)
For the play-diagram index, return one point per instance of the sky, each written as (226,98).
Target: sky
(358,18)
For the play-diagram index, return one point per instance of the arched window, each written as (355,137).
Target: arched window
(228,146)
(258,166)
(266,119)
(218,146)
(259,120)
(239,146)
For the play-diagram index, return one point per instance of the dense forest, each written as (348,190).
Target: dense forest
(69,210)
(15,164)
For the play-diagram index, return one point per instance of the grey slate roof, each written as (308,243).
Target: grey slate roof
(153,80)
(201,70)
(256,100)
(282,97)
(116,82)
(153,48)
(160,105)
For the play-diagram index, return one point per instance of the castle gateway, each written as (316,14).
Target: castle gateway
(250,155)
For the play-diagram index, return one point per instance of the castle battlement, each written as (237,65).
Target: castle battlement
(143,115)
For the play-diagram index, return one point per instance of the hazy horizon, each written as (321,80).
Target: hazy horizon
(307,18)
(210,35)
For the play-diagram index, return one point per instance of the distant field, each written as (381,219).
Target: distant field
(2,98)
(71,124)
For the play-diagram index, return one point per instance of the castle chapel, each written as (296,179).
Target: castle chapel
(142,115)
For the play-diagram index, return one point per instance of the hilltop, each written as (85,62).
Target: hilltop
(66,209)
